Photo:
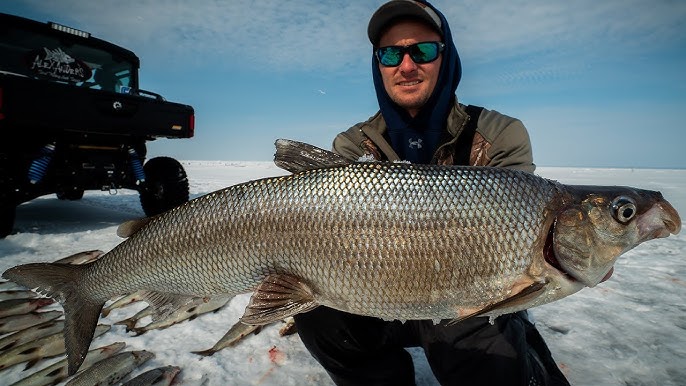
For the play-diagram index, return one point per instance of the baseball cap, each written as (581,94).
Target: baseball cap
(395,9)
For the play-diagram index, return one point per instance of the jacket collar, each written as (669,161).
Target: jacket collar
(375,128)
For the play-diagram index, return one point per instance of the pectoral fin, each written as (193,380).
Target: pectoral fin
(521,297)
(278,297)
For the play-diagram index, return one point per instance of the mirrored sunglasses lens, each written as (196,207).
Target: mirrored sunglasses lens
(424,52)
(390,56)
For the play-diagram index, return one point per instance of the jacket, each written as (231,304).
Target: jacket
(499,140)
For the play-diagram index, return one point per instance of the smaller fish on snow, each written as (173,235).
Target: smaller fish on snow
(161,376)
(22,306)
(19,322)
(34,351)
(58,372)
(31,333)
(111,370)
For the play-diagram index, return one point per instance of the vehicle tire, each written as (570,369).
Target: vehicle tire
(71,195)
(7,214)
(165,186)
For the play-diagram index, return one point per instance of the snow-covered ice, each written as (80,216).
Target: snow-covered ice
(630,330)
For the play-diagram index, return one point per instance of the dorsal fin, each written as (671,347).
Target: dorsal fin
(295,156)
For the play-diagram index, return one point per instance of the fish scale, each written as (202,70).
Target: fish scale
(366,235)
(376,225)
(395,241)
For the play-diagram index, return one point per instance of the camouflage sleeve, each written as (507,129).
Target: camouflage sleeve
(510,145)
(512,148)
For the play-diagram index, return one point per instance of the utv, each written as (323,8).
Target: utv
(72,118)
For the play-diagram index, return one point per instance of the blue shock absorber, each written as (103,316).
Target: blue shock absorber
(39,166)
(136,165)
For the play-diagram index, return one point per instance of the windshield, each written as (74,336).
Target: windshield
(64,59)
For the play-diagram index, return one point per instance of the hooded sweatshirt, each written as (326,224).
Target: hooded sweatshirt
(415,139)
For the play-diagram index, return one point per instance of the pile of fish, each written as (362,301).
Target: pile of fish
(388,240)
(29,333)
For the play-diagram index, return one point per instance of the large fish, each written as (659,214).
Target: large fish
(389,240)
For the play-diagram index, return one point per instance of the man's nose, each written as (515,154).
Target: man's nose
(407,65)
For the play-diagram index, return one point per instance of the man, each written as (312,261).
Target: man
(416,70)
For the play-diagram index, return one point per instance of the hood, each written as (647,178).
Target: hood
(428,125)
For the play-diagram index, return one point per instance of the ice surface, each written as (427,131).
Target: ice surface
(630,330)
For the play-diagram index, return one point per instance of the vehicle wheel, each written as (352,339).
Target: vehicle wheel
(165,186)
(71,195)
(7,215)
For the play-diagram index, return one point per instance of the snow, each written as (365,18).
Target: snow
(630,330)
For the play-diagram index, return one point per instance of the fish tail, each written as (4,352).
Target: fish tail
(205,353)
(63,282)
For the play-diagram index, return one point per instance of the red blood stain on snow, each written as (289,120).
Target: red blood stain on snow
(276,356)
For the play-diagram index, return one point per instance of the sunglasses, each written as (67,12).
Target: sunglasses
(420,53)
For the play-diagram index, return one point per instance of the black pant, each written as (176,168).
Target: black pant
(360,350)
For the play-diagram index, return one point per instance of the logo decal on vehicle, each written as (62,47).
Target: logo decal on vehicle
(57,64)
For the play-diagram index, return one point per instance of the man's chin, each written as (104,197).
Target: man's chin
(410,103)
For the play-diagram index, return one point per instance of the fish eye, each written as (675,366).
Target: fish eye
(623,209)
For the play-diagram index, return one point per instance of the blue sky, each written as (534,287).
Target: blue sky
(598,84)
